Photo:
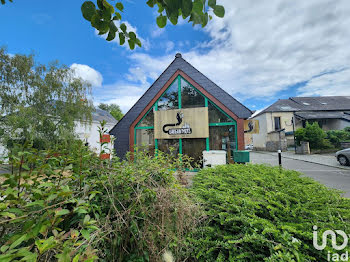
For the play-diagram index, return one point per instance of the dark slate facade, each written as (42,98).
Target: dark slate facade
(121,129)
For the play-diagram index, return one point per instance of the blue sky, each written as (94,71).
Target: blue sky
(260,52)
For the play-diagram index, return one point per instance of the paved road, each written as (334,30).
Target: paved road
(2,171)
(330,176)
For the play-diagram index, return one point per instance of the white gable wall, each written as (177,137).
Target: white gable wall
(90,134)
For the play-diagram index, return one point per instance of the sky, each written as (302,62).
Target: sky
(261,51)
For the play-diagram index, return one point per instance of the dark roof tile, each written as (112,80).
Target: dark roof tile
(321,103)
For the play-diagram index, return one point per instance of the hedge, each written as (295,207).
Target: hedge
(262,213)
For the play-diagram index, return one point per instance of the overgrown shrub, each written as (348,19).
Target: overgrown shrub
(259,213)
(68,205)
(337,136)
(313,134)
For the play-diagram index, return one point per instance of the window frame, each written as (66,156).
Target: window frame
(207,101)
(279,122)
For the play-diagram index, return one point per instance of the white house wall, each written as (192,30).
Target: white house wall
(91,134)
(259,140)
(3,152)
(267,125)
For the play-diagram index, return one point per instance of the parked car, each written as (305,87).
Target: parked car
(343,156)
(249,147)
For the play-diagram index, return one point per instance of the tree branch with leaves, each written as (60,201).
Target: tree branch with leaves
(103,15)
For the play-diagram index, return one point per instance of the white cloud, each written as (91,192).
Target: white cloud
(147,66)
(88,74)
(328,84)
(125,102)
(262,47)
(259,49)
(169,46)
(123,93)
(156,32)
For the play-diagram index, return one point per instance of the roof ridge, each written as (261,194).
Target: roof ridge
(266,110)
(314,96)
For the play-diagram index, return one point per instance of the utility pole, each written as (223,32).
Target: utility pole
(293,122)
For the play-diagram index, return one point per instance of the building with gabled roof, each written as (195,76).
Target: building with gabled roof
(181,89)
(331,113)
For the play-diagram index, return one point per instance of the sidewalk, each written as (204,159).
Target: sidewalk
(325,159)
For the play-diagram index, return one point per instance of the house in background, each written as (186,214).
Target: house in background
(276,121)
(88,132)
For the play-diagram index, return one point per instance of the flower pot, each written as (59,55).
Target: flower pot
(105,139)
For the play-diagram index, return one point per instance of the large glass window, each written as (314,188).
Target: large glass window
(190,97)
(223,138)
(145,140)
(194,148)
(169,146)
(216,116)
(170,99)
(148,120)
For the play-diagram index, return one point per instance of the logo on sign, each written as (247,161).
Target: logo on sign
(185,129)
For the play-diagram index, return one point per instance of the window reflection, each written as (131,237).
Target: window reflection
(190,97)
(216,116)
(194,148)
(169,99)
(169,146)
(148,120)
(145,140)
(223,138)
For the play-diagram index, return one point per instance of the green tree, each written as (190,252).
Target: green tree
(39,104)
(113,109)
(313,134)
(102,15)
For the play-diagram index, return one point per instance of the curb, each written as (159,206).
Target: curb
(308,161)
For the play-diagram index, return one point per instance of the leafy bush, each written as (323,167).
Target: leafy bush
(69,205)
(313,134)
(259,213)
(337,136)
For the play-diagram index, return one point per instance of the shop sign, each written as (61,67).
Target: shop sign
(251,126)
(181,123)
